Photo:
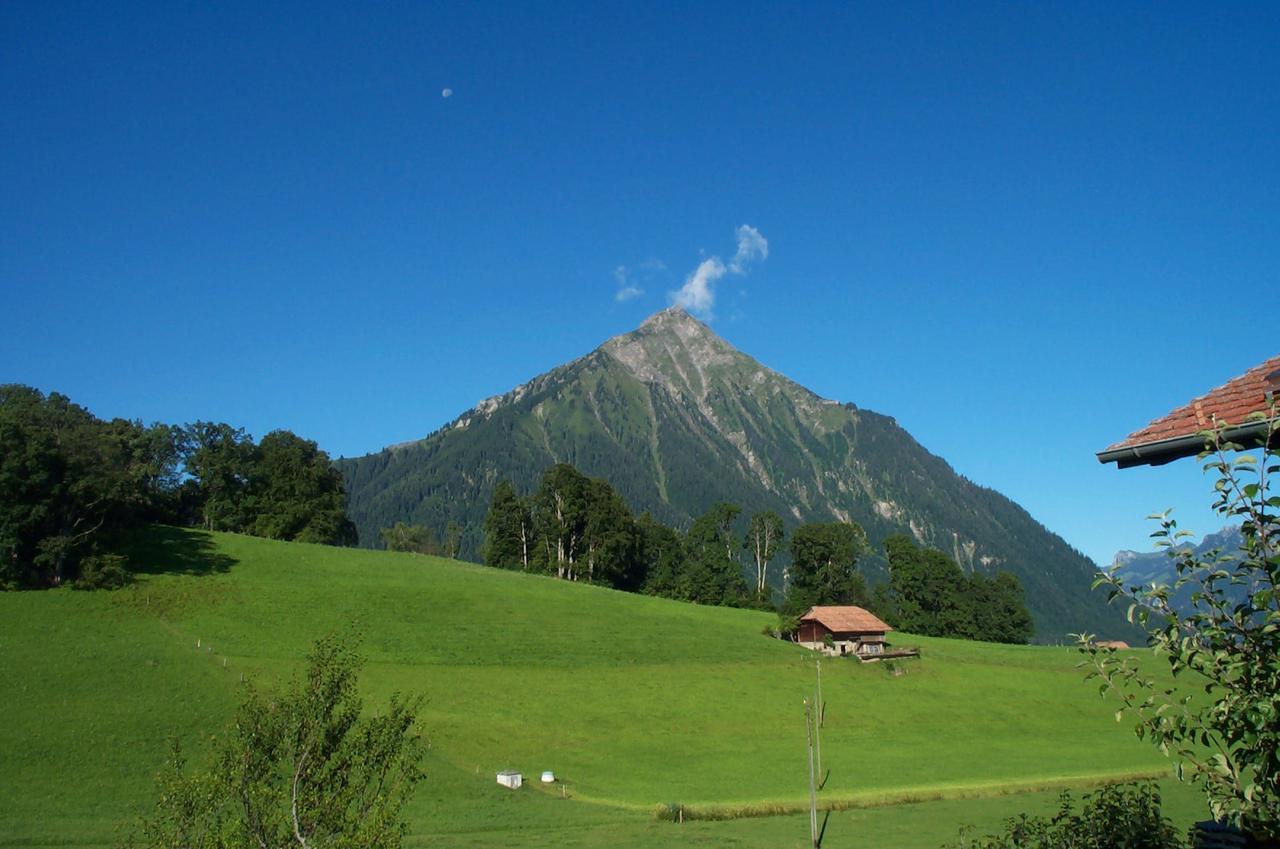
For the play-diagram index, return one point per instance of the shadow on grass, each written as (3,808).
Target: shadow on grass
(161,550)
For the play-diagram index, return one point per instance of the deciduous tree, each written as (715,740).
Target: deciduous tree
(411,538)
(824,560)
(560,516)
(765,534)
(711,573)
(1222,721)
(295,493)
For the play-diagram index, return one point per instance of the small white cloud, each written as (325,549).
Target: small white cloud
(626,293)
(752,246)
(446,93)
(698,294)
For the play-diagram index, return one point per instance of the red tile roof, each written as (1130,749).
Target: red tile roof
(845,619)
(1231,403)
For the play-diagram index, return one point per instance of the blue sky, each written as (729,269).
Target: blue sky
(1023,230)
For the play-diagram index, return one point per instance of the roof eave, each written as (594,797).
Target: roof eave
(1166,450)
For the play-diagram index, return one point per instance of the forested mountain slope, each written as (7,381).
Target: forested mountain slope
(676,419)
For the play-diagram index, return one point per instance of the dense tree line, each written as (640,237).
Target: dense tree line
(580,529)
(72,485)
(929,594)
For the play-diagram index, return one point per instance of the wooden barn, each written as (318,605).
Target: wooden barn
(851,630)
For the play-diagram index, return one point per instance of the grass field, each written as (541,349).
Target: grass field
(633,702)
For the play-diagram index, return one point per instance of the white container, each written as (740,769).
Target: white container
(510,778)
(548,777)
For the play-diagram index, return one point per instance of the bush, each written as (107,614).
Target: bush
(301,768)
(1118,816)
(103,572)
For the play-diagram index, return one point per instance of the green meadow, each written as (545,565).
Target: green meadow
(633,702)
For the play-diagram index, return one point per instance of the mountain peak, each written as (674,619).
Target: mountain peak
(672,347)
(675,312)
(675,319)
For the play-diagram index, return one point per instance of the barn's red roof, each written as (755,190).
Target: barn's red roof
(1176,434)
(845,619)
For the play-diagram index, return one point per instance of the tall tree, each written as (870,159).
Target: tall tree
(452,539)
(508,529)
(712,574)
(68,481)
(296,493)
(929,590)
(611,540)
(219,459)
(931,595)
(824,559)
(662,557)
(560,515)
(765,534)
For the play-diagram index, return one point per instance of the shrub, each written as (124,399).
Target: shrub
(300,768)
(1118,816)
(103,572)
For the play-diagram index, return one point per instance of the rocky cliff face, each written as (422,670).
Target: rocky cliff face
(676,419)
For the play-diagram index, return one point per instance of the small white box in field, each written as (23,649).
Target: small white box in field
(510,778)
(548,777)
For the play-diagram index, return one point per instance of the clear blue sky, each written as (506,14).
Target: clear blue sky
(1021,229)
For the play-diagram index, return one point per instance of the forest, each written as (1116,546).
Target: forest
(580,529)
(72,486)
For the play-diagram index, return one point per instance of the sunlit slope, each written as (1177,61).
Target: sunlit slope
(632,701)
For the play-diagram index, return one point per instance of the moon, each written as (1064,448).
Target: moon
(448,92)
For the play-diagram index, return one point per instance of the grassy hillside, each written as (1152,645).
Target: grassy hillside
(632,701)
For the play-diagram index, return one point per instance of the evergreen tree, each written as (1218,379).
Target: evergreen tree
(611,540)
(662,557)
(508,529)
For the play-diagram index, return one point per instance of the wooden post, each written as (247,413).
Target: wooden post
(813,793)
(820,711)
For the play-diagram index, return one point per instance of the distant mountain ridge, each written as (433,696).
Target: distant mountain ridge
(1143,569)
(676,418)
